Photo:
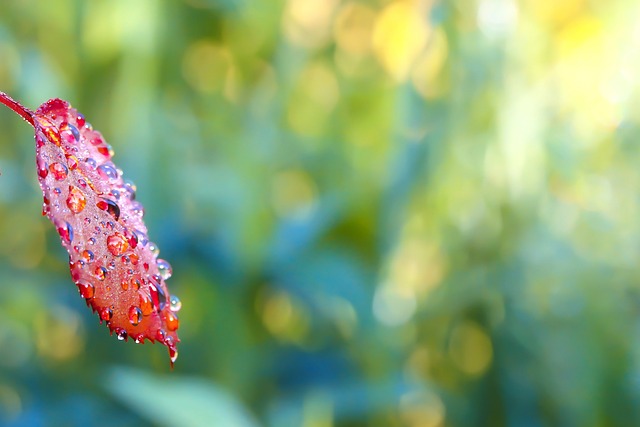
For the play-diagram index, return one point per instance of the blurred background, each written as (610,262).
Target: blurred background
(379,213)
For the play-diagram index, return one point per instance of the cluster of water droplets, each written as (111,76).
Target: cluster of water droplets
(114,265)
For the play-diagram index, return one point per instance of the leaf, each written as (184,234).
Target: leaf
(112,262)
(176,401)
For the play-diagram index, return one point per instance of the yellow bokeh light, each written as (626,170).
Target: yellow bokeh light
(425,75)
(470,348)
(401,33)
(307,23)
(353,28)
(283,318)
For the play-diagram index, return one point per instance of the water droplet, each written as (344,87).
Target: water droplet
(174,303)
(57,190)
(80,121)
(106,313)
(124,285)
(173,354)
(171,320)
(52,135)
(131,237)
(104,150)
(116,194)
(76,200)
(135,282)
(66,232)
(72,162)
(139,339)
(108,171)
(164,268)
(158,297)
(43,170)
(69,133)
(58,170)
(161,335)
(121,334)
(100,273)
(92,240)
(134,258)
(91,163)
(154,249)
(137,209)
(109,206)
(112,265)
(87,290)
(117,244)
(130,188)
(146,305)
(135,315)
(87,256)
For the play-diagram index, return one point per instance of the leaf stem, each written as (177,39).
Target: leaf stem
(24,112)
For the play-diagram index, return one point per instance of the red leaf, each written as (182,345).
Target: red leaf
(113,263)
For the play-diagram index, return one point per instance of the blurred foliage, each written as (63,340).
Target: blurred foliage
(386,213)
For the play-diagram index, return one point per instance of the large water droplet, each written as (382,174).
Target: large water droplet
(135,315)
(100,273)
(174,303)
(154,249)
(130,188)
(164,268)
(146,305)
(76,200)
(117,244)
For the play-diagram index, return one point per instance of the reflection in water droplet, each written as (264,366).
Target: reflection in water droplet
(76,200)
(117,244)
(108,172)
(164,268)
(121,334)
(154,249)
(87,256)
(100,273)
(109,206)
(58,170)
(174,303)
(106,313)
(135,315)
(171,320)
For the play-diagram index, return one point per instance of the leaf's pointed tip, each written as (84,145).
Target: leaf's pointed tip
(20,109)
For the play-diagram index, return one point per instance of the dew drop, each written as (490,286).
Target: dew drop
(87,256)
(52,135)
(135,315)
(164,268)
(87,290)
(158,297)
(100,273)
(108,172)
(134,258)
(72,161)
(117,244)
(66,232)
(146,305)
(125,285)
(80,121)
(43,171)
(174,303)
(58,170)
(92,240)
(121,334)
(171,320)
(130,188)
(91,162)
(154,249)
(109,206)
(76,200)
(106,313)
(131,237)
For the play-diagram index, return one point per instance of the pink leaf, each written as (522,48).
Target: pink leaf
(112,262)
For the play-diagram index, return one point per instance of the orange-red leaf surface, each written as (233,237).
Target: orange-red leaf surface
(113,264)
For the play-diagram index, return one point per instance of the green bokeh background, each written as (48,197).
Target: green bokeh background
(385,213)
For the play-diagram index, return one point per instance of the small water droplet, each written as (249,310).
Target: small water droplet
(174,303)
(66,232)
(109,206)
(80,121)
(124,285)
(58,170)
(108,171)
(131,237)
(171,320)
(100,273)
(134,258)
(76,200)
(72,162)
(154,249)
(87,290)
(117,244)
(106,313)
(135,315)
(43,170)
(87,256)
(121,334)
(164,268)
(92,240)
(91,162)
(130,189)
